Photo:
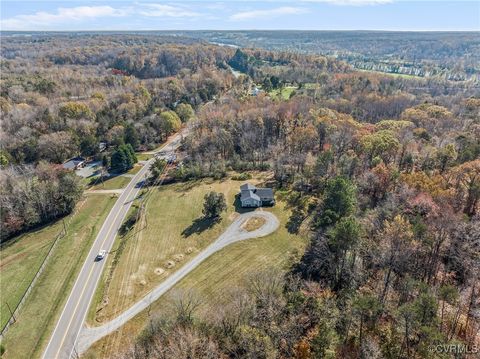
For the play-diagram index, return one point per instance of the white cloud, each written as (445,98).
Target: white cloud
(43,20)
(353,2)
(258,14)
(160,10)
(62,15)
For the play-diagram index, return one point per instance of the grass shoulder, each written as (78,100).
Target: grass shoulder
(27,338)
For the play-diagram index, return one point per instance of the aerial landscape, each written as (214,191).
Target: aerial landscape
(268,179)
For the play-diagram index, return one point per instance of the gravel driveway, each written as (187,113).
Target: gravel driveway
(234,233)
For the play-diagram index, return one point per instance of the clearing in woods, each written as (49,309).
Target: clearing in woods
(147,260)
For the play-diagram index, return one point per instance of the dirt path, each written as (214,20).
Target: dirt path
(234,233)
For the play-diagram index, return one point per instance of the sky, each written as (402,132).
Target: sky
(98,15)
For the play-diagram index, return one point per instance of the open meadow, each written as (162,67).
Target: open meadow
(148,256)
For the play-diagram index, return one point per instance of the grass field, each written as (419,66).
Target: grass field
(20,260)
(143,156)
(172,232)
(283,93)
(135,169)
(212,279)
(406,76)
(116,182)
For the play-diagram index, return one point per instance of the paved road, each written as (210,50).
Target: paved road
(234,233)
(65,335)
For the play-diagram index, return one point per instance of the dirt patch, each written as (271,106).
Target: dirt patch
(170,264)
(189,250)
(253,224)
(159,271)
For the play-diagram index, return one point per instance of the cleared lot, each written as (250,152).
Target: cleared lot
(214,277)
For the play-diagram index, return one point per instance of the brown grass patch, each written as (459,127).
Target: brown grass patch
(159,271)
(178,257)
(254,223)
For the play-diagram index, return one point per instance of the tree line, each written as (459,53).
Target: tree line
(32,196)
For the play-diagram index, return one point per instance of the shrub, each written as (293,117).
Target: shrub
(242,176)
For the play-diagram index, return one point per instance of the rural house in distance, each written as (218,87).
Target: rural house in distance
(251,196)
(74,163)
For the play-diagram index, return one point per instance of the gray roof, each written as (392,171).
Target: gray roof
(247,186)
(249,195)
(265,193)
(260,194)
(72,163)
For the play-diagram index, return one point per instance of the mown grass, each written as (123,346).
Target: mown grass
(172,231)
(117,182)
(135,169)
(215,277)
(20,259)
(143,156)
(283,93)
(28,336)
(406,76)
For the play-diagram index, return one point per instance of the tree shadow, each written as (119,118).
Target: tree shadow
(199,225)
(295,221)
(186,186)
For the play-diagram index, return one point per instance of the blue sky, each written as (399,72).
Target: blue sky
(403,15)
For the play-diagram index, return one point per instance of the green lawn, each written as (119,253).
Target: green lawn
(143,156)
(213,278)
(406,76)
(116,182)
(20,260)
(283,93)
(135,169)
(37,318)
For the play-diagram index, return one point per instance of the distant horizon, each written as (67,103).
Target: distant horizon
(239,30)
(261,15)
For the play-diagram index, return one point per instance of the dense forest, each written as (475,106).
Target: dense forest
(383,171)
(448,55)
(62,96)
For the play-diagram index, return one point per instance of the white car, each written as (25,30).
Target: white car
(101,255)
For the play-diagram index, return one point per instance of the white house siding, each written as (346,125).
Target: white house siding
(250,203)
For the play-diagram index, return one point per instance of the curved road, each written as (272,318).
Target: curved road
(70,323)
(234,233)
